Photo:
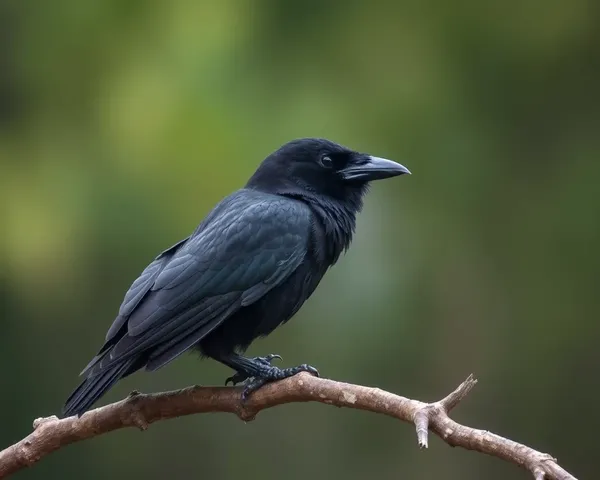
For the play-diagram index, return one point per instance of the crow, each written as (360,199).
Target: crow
(246,269)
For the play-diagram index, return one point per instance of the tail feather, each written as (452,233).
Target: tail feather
(93,387)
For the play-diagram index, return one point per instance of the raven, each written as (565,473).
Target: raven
(246,269)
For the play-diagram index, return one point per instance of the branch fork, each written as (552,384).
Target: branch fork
(439,411)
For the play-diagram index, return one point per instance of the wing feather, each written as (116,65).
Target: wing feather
(140,287)
(232,260)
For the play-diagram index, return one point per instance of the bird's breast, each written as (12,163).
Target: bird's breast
(277,307)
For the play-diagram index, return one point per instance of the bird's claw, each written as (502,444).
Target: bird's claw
(235,379)
(310,369)
(269,358)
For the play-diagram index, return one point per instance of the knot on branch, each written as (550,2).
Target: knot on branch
(38,422)
(132,414)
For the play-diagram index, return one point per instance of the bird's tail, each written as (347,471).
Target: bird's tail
(94,386)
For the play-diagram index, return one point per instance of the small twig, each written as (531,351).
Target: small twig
(140,410)
(454,398)
(422,426)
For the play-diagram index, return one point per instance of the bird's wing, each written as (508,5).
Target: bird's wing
(141,286)
(247,246)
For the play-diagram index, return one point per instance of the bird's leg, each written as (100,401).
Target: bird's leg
(242,376)
(256,372)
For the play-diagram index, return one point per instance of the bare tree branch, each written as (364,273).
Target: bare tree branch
(140,410)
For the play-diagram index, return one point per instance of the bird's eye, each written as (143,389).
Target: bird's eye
(326,161)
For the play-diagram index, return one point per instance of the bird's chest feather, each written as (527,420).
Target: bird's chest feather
(330,234)
(280,304)
(275,308)
(283,302)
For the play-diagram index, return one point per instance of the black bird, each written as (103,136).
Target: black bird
(245,270)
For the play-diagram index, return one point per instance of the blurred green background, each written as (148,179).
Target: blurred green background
(123,122)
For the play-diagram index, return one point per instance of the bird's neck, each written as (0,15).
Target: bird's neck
(335,222)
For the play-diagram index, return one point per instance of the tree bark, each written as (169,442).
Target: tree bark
(140,410)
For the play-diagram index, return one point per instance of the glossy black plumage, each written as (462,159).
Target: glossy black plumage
(246,269)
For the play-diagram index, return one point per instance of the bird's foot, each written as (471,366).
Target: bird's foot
(258,371)
(244,377)
(272,374)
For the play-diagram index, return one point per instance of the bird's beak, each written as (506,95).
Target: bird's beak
(374,168)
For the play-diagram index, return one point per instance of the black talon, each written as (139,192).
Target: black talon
(272,356)
(235,379)
(311,369)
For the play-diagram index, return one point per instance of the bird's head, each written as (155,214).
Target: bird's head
(314,166)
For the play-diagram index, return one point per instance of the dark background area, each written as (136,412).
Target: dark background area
(123,122)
